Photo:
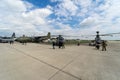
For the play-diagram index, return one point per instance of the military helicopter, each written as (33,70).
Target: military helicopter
(98,40)
(94,42)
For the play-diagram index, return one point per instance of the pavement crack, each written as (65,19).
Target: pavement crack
(49,64)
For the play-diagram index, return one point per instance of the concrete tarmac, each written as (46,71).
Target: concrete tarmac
(41,62)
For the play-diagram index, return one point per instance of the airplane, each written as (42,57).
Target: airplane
(49,37)
(41,38)
(8,39)
(35,39)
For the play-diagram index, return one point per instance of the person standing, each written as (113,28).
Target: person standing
(104,44)
(53,44)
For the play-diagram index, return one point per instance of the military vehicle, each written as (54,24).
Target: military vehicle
(8,39)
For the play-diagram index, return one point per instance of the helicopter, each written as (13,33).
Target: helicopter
(98,40)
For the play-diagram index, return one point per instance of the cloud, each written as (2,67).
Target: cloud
(74,17)
(66,8)
(36,16)
(16,17)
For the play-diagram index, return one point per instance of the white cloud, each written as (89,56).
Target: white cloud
(88,22)
(83,4)
(17,16)
(66,8)
(36,16)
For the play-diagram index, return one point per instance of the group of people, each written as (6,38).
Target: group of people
(103,45)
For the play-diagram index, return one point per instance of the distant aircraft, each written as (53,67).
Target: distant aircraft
(49,37)
(8,39)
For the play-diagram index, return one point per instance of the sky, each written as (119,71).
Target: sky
(65,17)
